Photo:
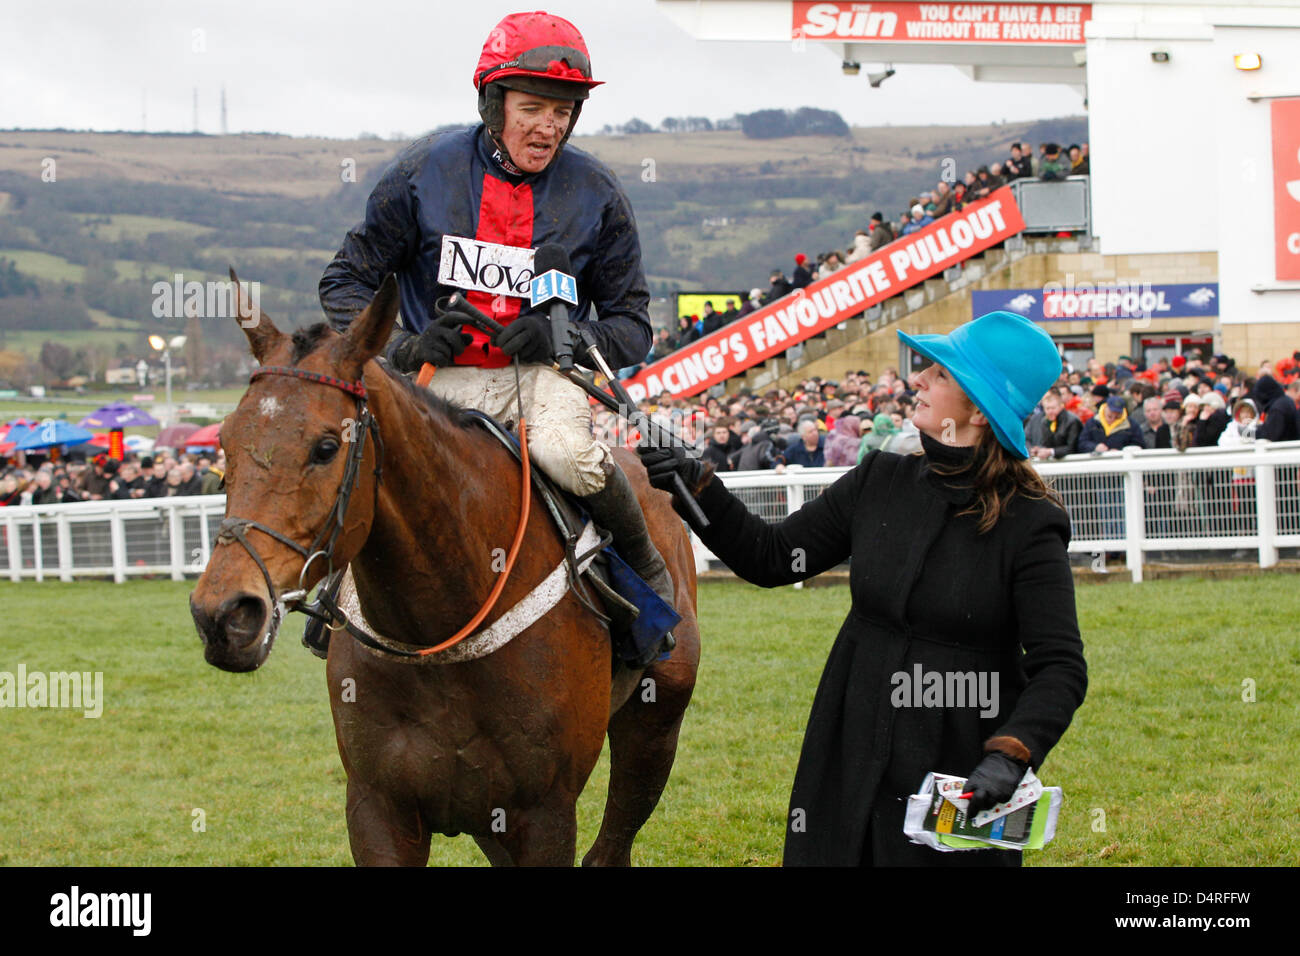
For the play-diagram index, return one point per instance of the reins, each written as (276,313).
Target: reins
(422,381)
(233,528)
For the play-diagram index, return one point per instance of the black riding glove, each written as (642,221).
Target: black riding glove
(439,343)
(528,337)
(993,781)
(662,463)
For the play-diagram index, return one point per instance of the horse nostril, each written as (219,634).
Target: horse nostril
(241,619)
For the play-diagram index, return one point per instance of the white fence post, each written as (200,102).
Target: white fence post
(15,549)
(1266,507)
(38,560)
(117,537)
(177,528)
(1134,527)
(63,535)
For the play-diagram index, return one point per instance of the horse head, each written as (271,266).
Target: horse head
(290,513)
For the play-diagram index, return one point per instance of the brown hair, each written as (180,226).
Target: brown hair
(999,478)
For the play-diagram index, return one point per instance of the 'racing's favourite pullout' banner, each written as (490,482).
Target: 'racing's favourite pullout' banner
(903,263)
(1035,23)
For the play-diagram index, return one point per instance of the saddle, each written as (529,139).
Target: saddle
(638,619)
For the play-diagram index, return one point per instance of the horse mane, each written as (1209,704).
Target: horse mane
(306,340)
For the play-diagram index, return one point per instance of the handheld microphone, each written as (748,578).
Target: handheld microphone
(552,287)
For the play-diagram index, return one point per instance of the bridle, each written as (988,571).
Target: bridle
(234,528)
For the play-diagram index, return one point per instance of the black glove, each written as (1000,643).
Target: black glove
(439,343)
(993,781)
(529,337)
(662,463)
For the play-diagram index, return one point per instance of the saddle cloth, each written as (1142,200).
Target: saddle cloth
(637,617)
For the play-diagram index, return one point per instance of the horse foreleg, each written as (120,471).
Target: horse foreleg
(384,832)
(642,747)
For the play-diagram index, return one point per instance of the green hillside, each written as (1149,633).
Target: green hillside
(79,256)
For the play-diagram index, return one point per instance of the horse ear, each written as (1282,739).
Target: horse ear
(261,332)
(368,333)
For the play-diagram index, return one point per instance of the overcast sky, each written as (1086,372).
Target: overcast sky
(338,68)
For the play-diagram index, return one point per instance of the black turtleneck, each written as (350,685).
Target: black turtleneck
(956,462)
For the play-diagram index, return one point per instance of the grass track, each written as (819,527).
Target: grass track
(1164,747)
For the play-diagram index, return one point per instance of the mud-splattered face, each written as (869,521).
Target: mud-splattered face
(534,127)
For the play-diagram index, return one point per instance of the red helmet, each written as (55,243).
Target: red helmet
(539,53)
(535,53)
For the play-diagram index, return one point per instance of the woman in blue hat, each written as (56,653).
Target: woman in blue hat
(961,653)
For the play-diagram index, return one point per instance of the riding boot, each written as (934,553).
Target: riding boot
(616,509)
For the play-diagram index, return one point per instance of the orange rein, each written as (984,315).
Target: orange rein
(422,380)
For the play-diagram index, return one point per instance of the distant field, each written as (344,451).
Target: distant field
(43,265)
(121,226)
(1164,765)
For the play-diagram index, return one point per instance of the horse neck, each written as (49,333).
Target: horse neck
(439,500)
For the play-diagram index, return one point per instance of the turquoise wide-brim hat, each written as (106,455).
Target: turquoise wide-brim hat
(1003,362)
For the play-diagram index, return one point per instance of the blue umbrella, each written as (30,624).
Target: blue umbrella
(53,432)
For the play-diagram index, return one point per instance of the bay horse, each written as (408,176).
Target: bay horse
(499,747)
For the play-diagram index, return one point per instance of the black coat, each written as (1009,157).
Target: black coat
(929,591)
(1281,420)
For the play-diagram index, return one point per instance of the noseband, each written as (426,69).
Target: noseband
(234,528)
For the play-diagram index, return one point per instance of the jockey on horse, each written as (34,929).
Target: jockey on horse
(463,212)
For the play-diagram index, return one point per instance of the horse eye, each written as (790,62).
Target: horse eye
(324,451)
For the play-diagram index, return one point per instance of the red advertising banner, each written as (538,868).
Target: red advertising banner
(1286,186)
(903,263)
(1033,23)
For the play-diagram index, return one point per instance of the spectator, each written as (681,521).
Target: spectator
(753,303)
(861,246)
(942,200)
(1053,166)
(730,313)
(1281,421)
(1110,429)
(722,442)
(95,481)
(1173,433)
(802,276)
(12,486)
(919,220)
(760,453)
(845,442)
(1056,434)
(1018,166)
(1243,426)
(958,197)
(832,263)
(190,483)
(155,485)
(1078,162)
(1152,419)
(44,491)
(780,286)
(711,319)
(127,483)
(1210,421)
(810,449)
(882,232)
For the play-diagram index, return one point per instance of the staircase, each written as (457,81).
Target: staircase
(790,368)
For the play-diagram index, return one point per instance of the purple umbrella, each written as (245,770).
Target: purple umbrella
(118,416)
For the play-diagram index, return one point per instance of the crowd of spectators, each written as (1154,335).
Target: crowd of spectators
(1053,163)
(160,475)
(1185,402)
